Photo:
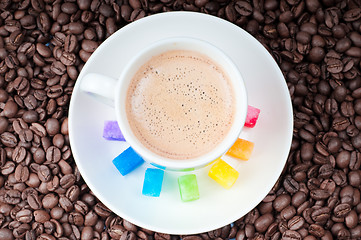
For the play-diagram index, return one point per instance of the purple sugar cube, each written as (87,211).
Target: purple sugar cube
(127,161)
(111,131)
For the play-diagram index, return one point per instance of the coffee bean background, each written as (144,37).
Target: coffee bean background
(43,47)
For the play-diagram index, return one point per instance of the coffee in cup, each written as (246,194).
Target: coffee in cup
(180,104)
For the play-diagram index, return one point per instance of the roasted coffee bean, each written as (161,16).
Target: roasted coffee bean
(230,13)
(290,185)
(26,135)
(34,201)
(53,154)
(73,193)
(67,58)
(56,90)
(334,66)
(89,46)
(16,37)
(19,154)
(352,15)
(351,220)
(281,202)
(76,28)
(12,25)
(90,218)
(67,180)
(24,216)
(102,210)
(320,215)
(137,14)
(343,45)
(319,194)
(329,185)
(8,139)
(316,230)
(70,43)
(291,235)
(10,109)
(128,235)
(342,210)
(21,173)
(243,8)
(46,236)
(30,116)
(65,203)
(339,177)
(354,178)
(44,173)
(33,180)
(263,222)
(52,126)
(81,207)
(316,54)
(11,197)
(84,55)
(340,123)
(6,234)
(43,21)
(265,207)
(43,50)
(58,68)
(343,159)
(50,201)
(4,123)
(76,219)
(354,52)
(296,223)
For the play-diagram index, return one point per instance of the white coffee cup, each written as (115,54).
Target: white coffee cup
(114,92)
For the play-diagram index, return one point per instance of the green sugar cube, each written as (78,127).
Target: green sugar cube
(188,187)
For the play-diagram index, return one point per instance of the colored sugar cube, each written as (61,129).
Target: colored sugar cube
(158,166)
(223,174)
(188,187)
(252,116)
(127,161)
(241,149)
(111,131)
(152,184)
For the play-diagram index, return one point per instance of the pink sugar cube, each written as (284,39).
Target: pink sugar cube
(252,116)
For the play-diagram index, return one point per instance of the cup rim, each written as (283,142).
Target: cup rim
(180,164)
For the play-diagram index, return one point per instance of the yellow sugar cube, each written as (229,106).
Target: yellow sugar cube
(223,174)
(241,149)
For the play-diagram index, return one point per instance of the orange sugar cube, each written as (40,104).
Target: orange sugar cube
(241,149)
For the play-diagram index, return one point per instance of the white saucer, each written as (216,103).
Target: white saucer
(216,207)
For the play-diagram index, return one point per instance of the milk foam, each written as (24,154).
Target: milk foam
(180,104)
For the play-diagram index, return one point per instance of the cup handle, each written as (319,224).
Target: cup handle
(100,87)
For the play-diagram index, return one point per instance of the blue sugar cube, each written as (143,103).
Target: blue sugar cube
(188,187)
(158,166)
(127,161)
(111,131)
(153,180)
